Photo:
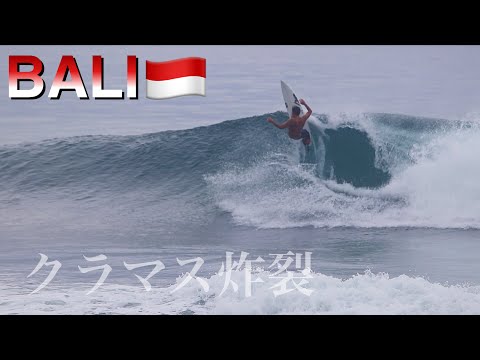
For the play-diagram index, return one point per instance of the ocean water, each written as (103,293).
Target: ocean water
(197,205)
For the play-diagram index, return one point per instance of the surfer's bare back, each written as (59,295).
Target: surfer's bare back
(296,123)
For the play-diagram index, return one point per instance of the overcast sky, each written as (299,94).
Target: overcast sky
(436,81)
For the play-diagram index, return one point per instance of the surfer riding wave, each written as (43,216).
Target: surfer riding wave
(296,123)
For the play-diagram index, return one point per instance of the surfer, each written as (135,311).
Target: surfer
(296,123)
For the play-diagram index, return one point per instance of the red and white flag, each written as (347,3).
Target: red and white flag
(177,77)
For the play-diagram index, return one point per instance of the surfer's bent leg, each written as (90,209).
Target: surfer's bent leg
(306,137)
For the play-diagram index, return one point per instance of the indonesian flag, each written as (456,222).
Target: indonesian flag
(177,77)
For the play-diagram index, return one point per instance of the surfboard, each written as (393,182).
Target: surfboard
(291,99)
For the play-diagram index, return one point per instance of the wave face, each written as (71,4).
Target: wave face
(365,170)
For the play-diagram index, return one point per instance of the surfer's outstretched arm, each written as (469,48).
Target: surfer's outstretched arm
(280,126)
(309,111)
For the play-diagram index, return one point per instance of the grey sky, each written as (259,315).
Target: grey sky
(437,81)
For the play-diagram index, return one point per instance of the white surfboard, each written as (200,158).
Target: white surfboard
(290,98)
(290,101)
